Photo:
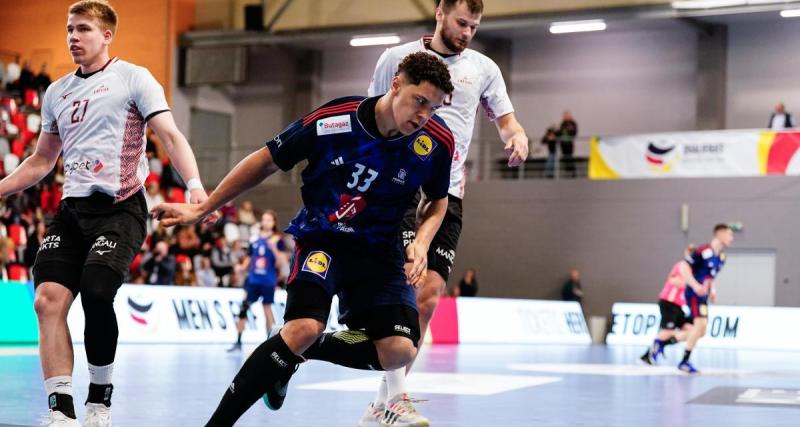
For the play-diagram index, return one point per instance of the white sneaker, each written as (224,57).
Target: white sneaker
(58,419)
(97,415)
(400,412)
(372,416)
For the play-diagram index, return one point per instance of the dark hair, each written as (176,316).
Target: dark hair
(721,227)
(98,9)
(475,6)
(423,67)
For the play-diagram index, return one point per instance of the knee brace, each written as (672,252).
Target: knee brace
(243,309)
(99,285)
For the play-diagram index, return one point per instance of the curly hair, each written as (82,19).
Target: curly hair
(423,67)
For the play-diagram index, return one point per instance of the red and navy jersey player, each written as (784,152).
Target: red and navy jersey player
(356,184)
(705,264)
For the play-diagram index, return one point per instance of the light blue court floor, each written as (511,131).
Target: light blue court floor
(468,385)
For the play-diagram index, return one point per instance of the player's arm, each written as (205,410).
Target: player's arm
(514,137)
(688,278)
(180,152)
(417,252)
(245,175)
(35,167)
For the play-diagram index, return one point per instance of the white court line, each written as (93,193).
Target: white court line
(618,370)
(442,383)
(19,351)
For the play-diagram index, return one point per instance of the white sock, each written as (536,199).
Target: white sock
(395,382)
(61,385)
(380,398)
(100,375)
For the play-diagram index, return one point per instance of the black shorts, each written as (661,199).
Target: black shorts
(91,230)
(672,315)
(442,252)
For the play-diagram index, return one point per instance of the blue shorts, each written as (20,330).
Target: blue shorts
(362,276)
(256,290)
(698,305)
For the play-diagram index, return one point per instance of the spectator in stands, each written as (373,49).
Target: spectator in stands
(34,241)
(246,215)
(780,119)
(572,290)
(221,261)
(566,137)
(185,275)
(159,266)
(468,286)
(205,274)
(550,140)
(42,80)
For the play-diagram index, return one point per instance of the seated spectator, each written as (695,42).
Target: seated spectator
(159,266)
(205,274)
(185,276)
(572,290)
(468,286)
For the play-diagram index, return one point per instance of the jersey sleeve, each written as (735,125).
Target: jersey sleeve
(494,98)
(147,93)
(385,70)
(695,259)
(49,119)
(293,145)
(438,184)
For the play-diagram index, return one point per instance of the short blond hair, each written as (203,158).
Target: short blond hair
(98,9)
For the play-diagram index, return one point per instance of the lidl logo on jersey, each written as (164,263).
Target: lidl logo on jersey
(317,263)
(423,146)
(335,124)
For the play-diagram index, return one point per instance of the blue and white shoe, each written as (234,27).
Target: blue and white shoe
(688,368)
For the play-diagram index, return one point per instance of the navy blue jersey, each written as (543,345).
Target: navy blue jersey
(705,263)
(358,184)
(262,263)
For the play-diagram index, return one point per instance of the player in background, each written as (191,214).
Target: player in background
(96,118)
(478,81)
(705,262)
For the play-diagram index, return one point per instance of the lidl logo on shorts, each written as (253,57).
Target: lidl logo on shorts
(423,146)
(318,263)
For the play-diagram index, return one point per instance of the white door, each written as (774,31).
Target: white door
(748,278)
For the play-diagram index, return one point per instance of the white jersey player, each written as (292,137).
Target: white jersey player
(96,118)
(478,82)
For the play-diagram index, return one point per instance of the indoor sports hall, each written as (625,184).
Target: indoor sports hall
(619,245)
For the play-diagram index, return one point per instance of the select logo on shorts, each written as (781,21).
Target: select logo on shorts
(318,263)
(335,124)
(423,146)
(402,329)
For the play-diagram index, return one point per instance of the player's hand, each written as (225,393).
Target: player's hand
(517,149)
(177,213)
(197,196)
(416,266)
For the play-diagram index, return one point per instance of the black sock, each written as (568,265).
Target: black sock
(239,339)
(353,349)
(669,342)
(686,355)
(62,403)
(100,393)
(646,353)
(271,361)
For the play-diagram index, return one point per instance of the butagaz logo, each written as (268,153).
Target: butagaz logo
(86,165)
(423,146)
(102,245)
(333,125)
(404,329)
(400,178)
(318,263)
(450,255)
(52,241)
(278,359)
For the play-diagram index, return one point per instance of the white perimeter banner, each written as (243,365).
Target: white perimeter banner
(167,314)
(733,153)
(758,328)
(517,321)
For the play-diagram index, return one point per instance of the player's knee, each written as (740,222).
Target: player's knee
(243,310)
(395,353)
(99,285)
(301,333)
(427,306)
(51,302)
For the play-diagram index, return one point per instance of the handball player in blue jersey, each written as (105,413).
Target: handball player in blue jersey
(706,262)
(266,258)
(367,158)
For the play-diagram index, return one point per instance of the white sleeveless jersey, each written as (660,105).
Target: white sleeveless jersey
(477,80)
(101,121)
